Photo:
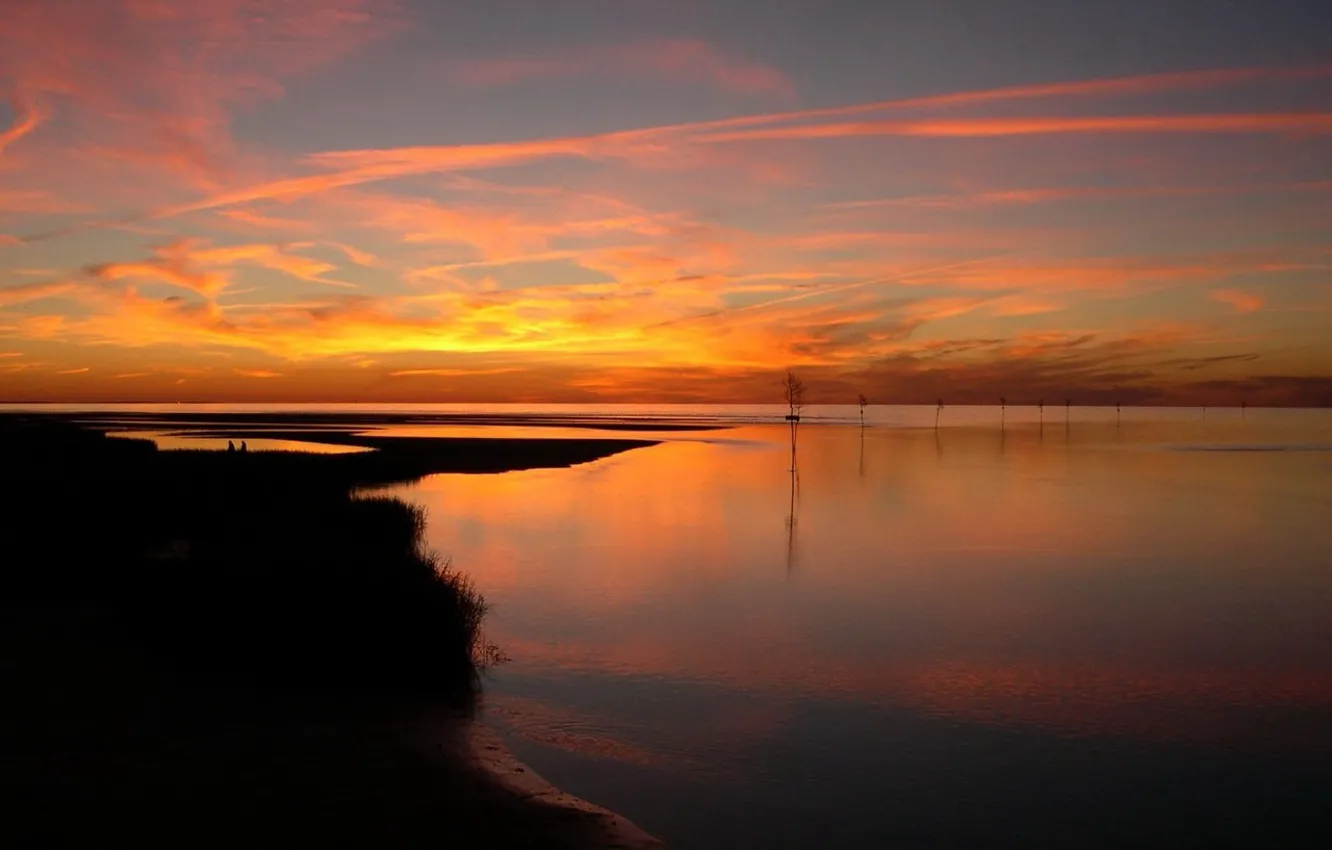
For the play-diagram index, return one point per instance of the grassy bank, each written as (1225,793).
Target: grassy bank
(259,566)
(205,647)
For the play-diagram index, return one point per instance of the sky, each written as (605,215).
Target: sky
(665,200)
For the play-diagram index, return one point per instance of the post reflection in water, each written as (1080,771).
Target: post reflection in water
(792,521)
(1077,615)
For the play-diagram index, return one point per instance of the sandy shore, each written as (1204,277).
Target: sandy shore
(448,740)
(484,750)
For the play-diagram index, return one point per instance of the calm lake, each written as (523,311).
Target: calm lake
(1095,631)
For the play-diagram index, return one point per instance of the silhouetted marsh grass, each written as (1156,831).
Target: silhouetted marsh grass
(266,566)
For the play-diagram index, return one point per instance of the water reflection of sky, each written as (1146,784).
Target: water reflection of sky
(1088,617)
(168,440)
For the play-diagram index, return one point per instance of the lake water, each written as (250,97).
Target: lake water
(1086,632)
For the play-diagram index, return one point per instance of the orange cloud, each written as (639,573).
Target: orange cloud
(653,145)
(356,255)
(36,202)
(1136,84)
(11,295)
(79,371)
(266,222)
(1017,197)
(257,373)
(153,82)
(27,117)
(204,270)
(171,266)
(680,61)
(1260,122)
(270,257)
(1243,302)
(449,373)
(367,166)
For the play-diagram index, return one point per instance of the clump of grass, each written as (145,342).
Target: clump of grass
(278,574)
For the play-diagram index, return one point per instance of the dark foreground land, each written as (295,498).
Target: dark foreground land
(208,649)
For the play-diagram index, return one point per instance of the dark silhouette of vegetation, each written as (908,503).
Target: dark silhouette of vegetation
(938,409)
(202,647)
(863,402)
(260,565)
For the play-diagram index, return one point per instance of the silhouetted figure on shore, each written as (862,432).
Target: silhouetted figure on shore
(231,447)
(244,447)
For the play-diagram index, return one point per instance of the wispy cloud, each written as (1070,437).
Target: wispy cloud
(1243,302)
(357,167)
(206,269)
(27,117)
(11,295)
(155,82)
(257,373)
(450,373)
(1258,122)
(1041,195)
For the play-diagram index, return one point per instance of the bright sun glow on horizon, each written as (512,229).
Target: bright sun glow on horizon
(379,201)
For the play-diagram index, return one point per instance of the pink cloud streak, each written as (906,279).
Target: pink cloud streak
(1259,122)
(28,116)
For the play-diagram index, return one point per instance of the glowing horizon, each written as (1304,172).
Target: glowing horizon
(365,200)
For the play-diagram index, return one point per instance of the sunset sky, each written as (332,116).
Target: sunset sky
(665,200)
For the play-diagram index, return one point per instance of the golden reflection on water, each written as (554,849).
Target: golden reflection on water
(1141,584)
(168,441)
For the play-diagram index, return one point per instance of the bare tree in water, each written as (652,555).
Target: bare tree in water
(864,402)
(1003,409)
(938,410)
(794,390)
